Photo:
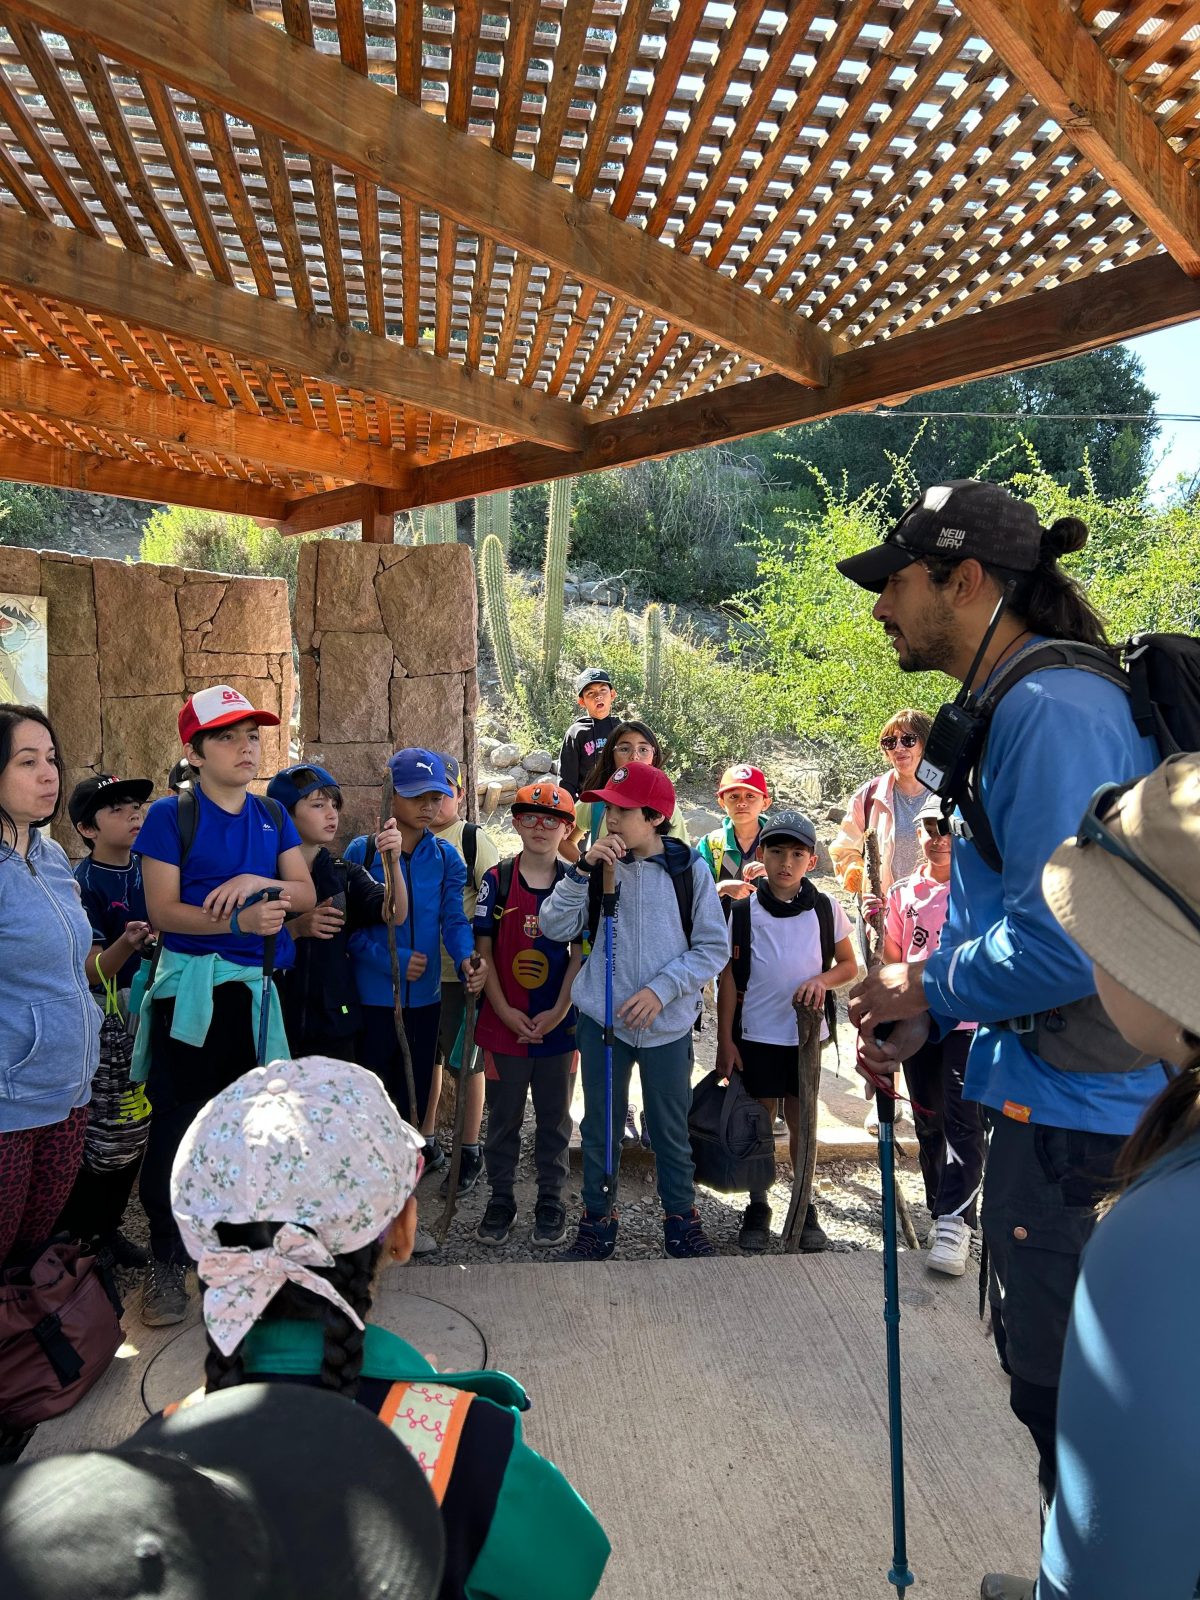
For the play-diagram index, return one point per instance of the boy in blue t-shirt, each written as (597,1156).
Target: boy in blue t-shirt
(206,856)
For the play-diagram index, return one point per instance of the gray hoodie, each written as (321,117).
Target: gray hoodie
(649,949)
(49,1022)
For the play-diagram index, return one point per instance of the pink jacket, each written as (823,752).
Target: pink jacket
(846,850)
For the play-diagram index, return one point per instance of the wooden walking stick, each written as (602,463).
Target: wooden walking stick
(388,862)
(808,1025)
(465,1072)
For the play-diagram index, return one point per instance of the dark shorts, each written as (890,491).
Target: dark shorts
(769,1070)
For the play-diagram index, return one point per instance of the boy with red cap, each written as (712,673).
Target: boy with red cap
(208,858)
(669,942)
(526,1025)
(729,851)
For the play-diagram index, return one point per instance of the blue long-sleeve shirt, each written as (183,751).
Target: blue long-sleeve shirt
(1055,738)
(435,876)
(1124,1521)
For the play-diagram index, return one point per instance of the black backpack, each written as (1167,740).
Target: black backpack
(1160,672)
(739,917)
(679,858)
(189,819)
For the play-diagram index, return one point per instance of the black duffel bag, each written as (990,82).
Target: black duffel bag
(733,1145)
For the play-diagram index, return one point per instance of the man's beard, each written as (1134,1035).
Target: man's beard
(937,648)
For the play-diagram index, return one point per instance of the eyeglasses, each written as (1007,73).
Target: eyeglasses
(537,819)
(1092,830)
(891,740)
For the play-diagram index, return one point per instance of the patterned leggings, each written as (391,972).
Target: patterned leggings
(37,1172)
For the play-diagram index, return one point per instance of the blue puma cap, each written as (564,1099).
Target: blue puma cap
(417,772)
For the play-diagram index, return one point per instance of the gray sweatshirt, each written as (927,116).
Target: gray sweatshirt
(49,1022)
(649,948)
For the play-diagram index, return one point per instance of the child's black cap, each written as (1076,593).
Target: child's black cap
(105,789)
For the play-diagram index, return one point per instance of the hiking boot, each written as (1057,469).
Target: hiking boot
(470,1165)
(630,1136)
(435,1156)
(424,1244)
(813,1237)
(685,1238)
(999,1586)
(124,1252)
(496,1223)
(595,1241)
(951,1247)
(164,1294)
(549,1223)
(755,1233)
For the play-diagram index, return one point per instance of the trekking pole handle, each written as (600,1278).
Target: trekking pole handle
(885,1105)
(268,939)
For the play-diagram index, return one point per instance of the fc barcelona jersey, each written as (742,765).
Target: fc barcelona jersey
(530,967)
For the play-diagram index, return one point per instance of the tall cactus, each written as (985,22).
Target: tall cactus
(484,520)
(417,519)
(554,575)
(652,646)
(502,517)
(493,571)
(620,627)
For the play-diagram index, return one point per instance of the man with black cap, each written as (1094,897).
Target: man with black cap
(969,583)
(218,1502)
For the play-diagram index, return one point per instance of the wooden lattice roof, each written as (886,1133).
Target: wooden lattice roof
(313,259)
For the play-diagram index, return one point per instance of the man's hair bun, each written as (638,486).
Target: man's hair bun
(1062,537)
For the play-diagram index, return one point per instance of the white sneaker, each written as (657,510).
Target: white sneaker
(424,1244)
(951,1247)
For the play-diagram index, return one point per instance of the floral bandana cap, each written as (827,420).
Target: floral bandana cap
(315,1145)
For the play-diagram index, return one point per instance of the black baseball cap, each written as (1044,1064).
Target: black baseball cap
(793,825)
(960,518)
(589,676)
(216,1502)
(105,790)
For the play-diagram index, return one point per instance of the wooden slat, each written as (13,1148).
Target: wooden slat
(1043,43)
(34,387)
(129,480)
(60,264)
(234,189)
(279,192)
(311,513)
(1025,331)
(675,55)
(15,181)
(59,184)
(312,100)
(175,145)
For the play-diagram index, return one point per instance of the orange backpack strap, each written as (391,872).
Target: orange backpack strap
(427,1417)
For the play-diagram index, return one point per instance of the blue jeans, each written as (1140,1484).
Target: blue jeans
(667,1097)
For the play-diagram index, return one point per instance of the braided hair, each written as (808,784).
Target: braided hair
(342,1354)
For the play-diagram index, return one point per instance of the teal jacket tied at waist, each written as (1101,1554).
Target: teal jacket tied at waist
(190,981)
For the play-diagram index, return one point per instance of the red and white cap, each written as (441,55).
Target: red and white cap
(744,776)
(636,785)
(218,707)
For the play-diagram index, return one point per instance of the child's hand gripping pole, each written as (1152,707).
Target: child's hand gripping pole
(388,863)
(465,1072)
(608,909)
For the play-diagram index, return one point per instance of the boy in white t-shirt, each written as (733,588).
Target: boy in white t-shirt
(787,968)
(949,1128)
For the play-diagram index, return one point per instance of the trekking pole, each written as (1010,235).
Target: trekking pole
(608,908)
(389,874)
(466,1072)
(808,1089)
(900,1577)
(268,966)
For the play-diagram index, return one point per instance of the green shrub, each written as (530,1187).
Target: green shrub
(28,516)
(210,541)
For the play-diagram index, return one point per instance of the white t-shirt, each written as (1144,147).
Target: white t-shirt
(784,953)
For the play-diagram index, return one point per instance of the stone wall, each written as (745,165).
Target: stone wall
(387,641)
(128,643)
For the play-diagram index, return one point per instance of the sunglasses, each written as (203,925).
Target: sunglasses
(891,740)
(1092,830)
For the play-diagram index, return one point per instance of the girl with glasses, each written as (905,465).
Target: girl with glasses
(629,744)
(889,804)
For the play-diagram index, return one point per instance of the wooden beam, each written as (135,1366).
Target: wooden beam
(1024,331)
(46,391)
(356,502)
(130,480)
(62,264)
(1046,47)
(232,59)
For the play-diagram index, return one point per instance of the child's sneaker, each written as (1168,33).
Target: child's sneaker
(813,1237)
(470,1166)
(755,1234)
(549,1223)
(630,1136)
(435,1156)
(951,1246)
(595,1241)
(164,1294)
(424,1244)
(646,1145)
(686,1238)
(496,1223)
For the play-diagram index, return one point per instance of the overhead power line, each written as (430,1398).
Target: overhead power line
(1047,416)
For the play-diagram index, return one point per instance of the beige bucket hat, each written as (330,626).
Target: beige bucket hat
(1128,925)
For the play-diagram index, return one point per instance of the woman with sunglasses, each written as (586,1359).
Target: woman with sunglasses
(1123,1523)
(889,804)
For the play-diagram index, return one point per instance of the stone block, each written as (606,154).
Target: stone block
(20,570)
(217,667)
(71,609)
(74,687)
(252,617)
(353,765)
(360,813)
(345,595)
(505,756)
(427,602)
(304,607)
(309,695)
(537,761)
(198,602)
(355,671)
(429,712)
(141,648)
(141,736)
